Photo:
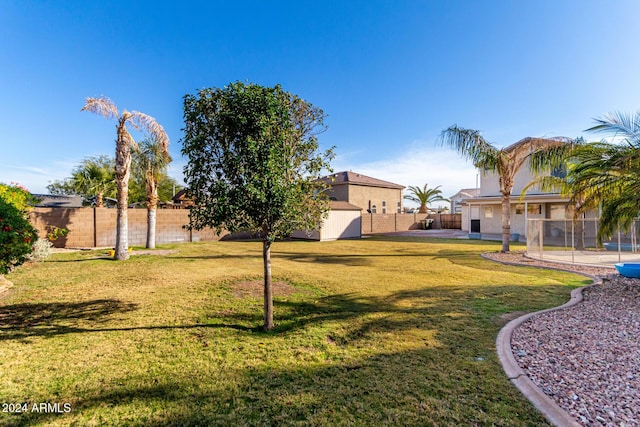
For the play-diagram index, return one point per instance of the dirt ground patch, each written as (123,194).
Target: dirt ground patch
(255,289)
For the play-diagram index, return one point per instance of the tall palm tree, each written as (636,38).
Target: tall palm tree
(541,153)
(424,196)
(151,160)
(106,108)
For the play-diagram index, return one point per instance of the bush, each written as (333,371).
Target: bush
(17,236)
(17,196)
(41,250)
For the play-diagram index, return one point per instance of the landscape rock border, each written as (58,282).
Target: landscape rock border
(543,403)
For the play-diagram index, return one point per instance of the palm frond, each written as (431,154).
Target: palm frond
(471,145)
(102,106)
(620,125)
(148,124)
(550,153)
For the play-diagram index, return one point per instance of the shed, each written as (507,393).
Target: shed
(344,221)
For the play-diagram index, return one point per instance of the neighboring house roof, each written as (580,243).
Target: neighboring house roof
(467,193)
(58,201)
(181,198)
(353,178)
(343,206)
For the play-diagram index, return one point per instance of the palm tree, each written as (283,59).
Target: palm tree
(424,196)
(541,153)
(95,177)
(609,172)
(106,108)
(151,160)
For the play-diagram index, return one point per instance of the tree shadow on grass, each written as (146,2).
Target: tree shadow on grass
(20,321)
(27,320)
(417,387)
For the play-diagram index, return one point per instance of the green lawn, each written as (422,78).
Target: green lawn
(380,331)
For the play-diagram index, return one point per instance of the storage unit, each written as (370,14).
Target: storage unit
(344,221)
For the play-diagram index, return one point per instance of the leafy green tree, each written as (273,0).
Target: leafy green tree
(93,177)
(150,161)
(124,142)
(425,196)
(254,165)
(541,154)
(17,235)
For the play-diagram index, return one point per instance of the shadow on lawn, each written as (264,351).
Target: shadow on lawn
(20,321)
(417,387)
(453,379)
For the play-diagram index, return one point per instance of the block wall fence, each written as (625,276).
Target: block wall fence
(96,227)
(388,223)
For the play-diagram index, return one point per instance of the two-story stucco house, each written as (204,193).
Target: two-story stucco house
(371,194)
(482,213)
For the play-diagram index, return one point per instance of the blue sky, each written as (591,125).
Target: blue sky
(390,75)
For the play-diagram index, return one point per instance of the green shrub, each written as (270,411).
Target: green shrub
(17,236)
(41,250)
(17,196)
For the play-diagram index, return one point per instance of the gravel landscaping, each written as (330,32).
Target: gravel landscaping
(586,357)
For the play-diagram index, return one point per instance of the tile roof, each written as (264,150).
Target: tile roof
(349,177)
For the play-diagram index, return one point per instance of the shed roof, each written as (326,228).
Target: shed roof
(349,177)
(336,205)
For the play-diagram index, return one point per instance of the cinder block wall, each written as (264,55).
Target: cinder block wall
(96,227)
(388,223)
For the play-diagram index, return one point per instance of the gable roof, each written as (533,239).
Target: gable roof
(58,201)
(467,192)
(349,177)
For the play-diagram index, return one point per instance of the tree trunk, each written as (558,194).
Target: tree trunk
(152,205)
(122,225)
(506,221)
(268,291)
(151,228)
(123,171)
(99,200)
(423,209)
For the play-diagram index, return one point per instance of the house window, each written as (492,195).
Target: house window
(399,207)
(519,209)
(559,172)
(488,212)
(374,209)
(384,207)
(534,209)
(558,212)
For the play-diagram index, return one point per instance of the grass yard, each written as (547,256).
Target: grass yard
(380,331)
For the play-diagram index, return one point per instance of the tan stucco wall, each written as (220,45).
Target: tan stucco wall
(365,196)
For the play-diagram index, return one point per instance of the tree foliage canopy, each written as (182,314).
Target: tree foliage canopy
(607,173)
(253,160)
(254,165)
(424,196)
